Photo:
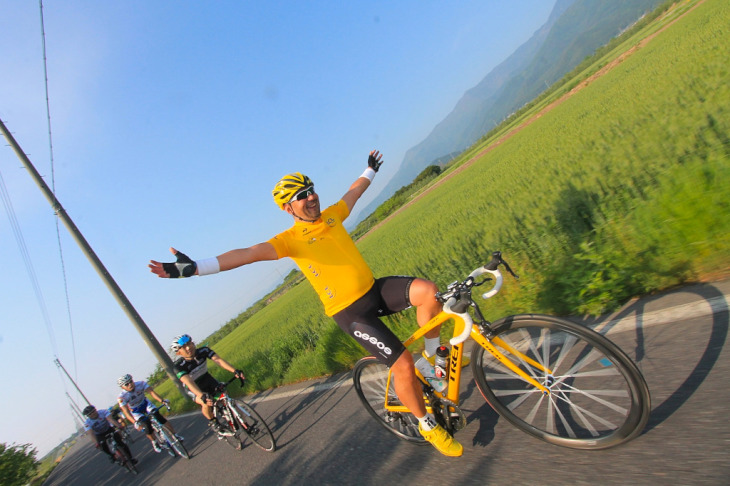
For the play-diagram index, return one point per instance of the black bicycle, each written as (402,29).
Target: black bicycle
(239,420)
(120,452)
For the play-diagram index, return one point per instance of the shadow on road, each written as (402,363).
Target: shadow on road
(651,352)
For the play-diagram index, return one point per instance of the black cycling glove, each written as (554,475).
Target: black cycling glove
(374,160)
(184,267)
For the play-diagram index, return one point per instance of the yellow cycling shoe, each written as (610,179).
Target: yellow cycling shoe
(442,441)
(431,359)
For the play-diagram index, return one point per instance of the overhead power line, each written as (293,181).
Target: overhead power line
(28,263)
(53,188)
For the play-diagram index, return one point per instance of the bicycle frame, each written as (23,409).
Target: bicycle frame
(224,400)
(117,450)
(462,321)
(112,443)
(156,424)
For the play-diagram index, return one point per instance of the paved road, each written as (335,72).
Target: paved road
(325,437)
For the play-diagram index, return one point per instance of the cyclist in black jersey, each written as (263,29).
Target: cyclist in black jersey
(192,370)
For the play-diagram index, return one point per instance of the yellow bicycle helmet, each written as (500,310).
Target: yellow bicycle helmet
(288,186)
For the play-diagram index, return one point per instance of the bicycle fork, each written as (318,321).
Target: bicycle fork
(482,340)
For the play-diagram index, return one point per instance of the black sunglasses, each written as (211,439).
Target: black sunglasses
(303,194)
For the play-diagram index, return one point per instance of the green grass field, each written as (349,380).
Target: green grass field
(620,190)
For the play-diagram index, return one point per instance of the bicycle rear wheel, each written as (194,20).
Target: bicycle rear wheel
(371,383)
(598,398)
(125,460)
(253,425)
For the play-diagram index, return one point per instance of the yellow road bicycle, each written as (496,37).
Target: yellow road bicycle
(551,378)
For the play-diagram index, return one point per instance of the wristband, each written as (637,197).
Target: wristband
(369,174)
(208,266)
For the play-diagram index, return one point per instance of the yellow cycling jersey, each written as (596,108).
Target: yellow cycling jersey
(327,256)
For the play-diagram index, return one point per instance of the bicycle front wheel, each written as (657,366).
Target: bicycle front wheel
(598,397)
(178,446)
(371,384)
(253,425)
(163,441)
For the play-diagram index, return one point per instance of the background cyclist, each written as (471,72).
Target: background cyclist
(117,415)
(322,248)
(134,405)
(99,424)
(192,370)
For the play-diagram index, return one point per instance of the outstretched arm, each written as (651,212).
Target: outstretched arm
(155,395)
(363,182)
(223,363)
(185,267)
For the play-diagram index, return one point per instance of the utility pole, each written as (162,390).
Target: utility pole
(147,336)
(75,407)
(78,421)
(58,363)
(76,414)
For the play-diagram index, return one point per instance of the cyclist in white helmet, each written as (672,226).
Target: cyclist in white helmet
(322,248)
(134,405)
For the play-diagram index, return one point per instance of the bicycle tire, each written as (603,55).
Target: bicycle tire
(370,378)
(125,460)
(599,398)
(163,441)
(179,447)
(253,425)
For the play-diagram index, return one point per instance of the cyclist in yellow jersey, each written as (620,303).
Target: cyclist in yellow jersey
(327,256)
(323,250)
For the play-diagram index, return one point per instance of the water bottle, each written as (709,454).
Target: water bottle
(441,363)
(427,370)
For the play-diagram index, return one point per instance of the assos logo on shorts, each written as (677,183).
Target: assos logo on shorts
(373,340)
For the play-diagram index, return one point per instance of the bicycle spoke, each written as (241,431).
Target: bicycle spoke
(594,395)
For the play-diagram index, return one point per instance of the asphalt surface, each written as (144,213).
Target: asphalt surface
(325,437)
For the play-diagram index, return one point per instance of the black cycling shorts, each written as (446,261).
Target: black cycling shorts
(361,318)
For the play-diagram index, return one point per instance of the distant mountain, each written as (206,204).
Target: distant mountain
(574,30)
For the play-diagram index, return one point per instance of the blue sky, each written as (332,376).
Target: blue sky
(171,121)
